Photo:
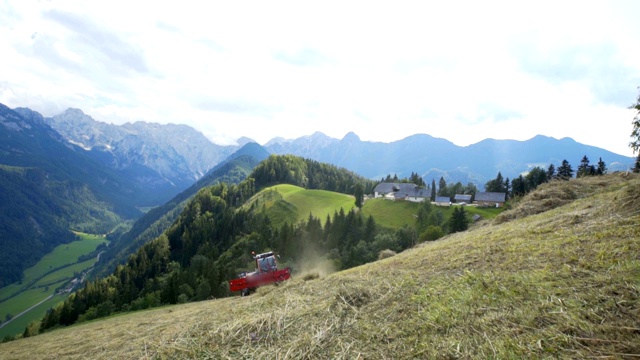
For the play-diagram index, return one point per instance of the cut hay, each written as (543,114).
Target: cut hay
(558,193)
(563,283)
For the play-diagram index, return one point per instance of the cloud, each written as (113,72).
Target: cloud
(302,57)
(94,43)
(463,71)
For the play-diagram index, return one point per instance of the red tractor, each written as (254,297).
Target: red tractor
(266,273)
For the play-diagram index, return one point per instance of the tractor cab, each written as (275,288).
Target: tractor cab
(265,262)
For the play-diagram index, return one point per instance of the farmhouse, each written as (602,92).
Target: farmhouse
(496,199)
(462,198)
(401,191)
(443,201)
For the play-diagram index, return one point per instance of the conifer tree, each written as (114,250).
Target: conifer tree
(359,195)
(442,186)
(458,221)
(551,172)
(433,189)
(565,171)
(602,168)
(584,169)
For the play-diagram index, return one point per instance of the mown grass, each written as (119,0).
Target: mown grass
(391,214)
(396,214)
(562,282)
(289,203)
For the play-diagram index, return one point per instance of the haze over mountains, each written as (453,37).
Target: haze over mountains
(169,158)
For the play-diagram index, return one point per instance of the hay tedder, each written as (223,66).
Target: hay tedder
(266,273)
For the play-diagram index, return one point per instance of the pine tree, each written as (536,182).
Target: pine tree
(565,171)
(458,221)
(518,186)
(551,172)
(602,168)
(442,186)
(495,185)
(359,195)
(507,187)
(584,169)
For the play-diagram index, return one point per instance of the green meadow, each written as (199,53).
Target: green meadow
(41,280)
(396,214)
(289,203)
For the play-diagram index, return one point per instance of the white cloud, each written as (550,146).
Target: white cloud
(464,71)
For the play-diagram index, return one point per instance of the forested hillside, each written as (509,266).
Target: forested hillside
(151,225)
(212,240)
(49,187)
(37,214)
(556,277)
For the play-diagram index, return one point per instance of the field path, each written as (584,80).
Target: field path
(26,311)
(47,298)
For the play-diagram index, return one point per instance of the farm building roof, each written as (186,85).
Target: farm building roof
(462,197)
(491,196)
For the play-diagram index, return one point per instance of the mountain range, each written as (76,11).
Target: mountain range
(433,158)
(165,159)
(70,171)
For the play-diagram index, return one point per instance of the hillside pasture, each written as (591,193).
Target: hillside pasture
(391,214)
(289,203)
(563,283)
(396,214)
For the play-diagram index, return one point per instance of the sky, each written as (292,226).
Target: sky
(460,70)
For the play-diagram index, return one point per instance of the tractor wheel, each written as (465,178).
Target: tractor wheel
(245,292)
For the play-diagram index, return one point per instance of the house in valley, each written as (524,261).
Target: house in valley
(493,199)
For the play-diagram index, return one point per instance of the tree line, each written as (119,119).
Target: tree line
(524,184)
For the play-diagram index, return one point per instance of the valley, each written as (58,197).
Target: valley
(48,282)
(555,277)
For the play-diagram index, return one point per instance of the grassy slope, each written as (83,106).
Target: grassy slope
(64,257)
(564,282)
(292,203)
(395,214)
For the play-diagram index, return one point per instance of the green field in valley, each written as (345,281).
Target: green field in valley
(41,280)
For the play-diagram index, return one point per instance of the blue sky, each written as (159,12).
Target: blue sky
(464,71)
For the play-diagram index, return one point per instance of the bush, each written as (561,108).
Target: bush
(386,254)
(431,233)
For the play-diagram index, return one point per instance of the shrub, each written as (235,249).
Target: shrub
(431,233)
(386,254)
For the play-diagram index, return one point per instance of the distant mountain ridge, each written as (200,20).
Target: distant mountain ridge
(167,158)
(47,187)
(433,158)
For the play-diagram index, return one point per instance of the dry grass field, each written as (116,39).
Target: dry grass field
(556,277)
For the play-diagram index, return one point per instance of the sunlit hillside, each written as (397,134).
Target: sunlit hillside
(556,277)
(290,203)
